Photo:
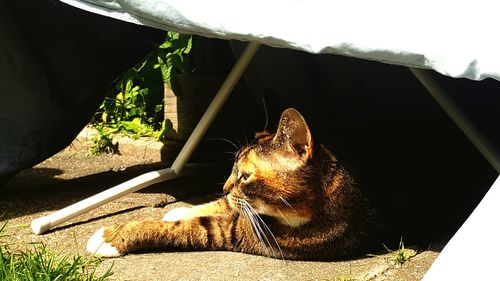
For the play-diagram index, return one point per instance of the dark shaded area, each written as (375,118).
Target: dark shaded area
(56,63)
(415,164)
(36,189)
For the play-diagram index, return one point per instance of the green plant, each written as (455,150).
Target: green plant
(134,106)
(173,56)
(127,110)
(38,263)
(102,142)
(401,255)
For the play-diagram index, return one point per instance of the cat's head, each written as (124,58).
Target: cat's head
(273,174)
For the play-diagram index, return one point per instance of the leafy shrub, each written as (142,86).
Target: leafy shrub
(135,104)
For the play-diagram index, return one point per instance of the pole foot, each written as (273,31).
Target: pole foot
(40,225)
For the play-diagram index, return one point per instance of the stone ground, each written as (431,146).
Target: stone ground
(72,175)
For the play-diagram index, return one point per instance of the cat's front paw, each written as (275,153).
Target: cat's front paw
(177,214)
(98,246)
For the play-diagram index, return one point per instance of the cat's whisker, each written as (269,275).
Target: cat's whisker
(249,218)
(239,202)
(267,229)
(287,204)
(261,234)
(272,235)
(226,140)
(239,143)
(265,111)
(257,229)
(224,180)
(287,222)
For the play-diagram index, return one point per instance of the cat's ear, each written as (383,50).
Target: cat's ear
(293,134)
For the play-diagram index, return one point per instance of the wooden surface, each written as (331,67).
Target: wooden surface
(185,107)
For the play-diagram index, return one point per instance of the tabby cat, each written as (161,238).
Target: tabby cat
(286,197)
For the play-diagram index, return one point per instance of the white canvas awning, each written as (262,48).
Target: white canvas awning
(457,39)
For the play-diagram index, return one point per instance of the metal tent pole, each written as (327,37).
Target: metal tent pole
(458,117)
(43,224)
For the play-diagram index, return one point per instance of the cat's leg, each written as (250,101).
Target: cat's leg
(220,232)
(220,206)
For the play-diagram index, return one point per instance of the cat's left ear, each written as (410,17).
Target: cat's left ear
(293,133)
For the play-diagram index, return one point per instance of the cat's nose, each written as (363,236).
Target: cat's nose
(228,186)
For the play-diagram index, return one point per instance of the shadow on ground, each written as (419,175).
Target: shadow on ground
(42,188)
(68,177)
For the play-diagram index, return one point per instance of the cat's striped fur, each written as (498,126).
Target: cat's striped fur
(285,198)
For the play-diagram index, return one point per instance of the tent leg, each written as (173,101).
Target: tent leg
(458,117)
(43,224)
(475,236)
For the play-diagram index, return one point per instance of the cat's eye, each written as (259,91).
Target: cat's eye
(243,176)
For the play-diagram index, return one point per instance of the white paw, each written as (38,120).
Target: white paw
(177,214)
(98,247)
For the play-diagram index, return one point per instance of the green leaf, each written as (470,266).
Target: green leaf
(189,45)
(140,68)
(104,117)
(166,126)
(119,97)
(134,90)
(172,36)
(137,127)
(128,85)
(143,92)
(133,112)
(166,72)
(166,45)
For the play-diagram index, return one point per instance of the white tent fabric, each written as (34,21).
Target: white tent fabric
(476,238)
(457,39)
